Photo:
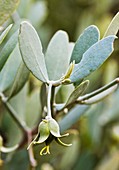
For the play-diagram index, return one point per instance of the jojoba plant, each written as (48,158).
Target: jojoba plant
(62,64)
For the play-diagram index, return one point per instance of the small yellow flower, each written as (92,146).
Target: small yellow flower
(48,131)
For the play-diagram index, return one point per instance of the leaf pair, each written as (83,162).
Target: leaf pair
(52,65)
(90,53)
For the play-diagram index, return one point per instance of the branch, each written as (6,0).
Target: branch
(49,101)
(99,91)
(22,125)
(89,98)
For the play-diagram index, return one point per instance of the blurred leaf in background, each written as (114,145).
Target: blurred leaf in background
(7,7)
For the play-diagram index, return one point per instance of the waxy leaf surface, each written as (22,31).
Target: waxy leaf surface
(93,58)
(8,48)
(4,33)
(57,55)
(9,70)
(31,51)
(89,37)
(113,26)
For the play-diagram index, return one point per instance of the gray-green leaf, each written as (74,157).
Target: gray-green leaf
(9,70)
(113,26)
(77,92)
(20,79)
(72,117)
(4,33)
(71,47)
(89,37)
(31,51)
(43,96)
(8,48)
(57,55)
(93,58)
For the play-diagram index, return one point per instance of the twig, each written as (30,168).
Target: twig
(82,99)
(49,101)
(96,92)
(15,17)
(12,112)
(30,151)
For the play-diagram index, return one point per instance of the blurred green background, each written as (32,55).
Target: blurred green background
(95,136)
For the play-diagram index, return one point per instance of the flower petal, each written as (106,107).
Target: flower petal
(62,143)
(43,131)
(7,150)
(32,142)
(54,128)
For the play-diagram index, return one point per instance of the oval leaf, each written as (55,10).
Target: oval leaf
(77,92)
(8,48)
(71,47)
(4,33)
(9,70)
(89,37)
(113,26)
(31,51)
(72,117)
(19,80)
(93,58)
(57,55)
